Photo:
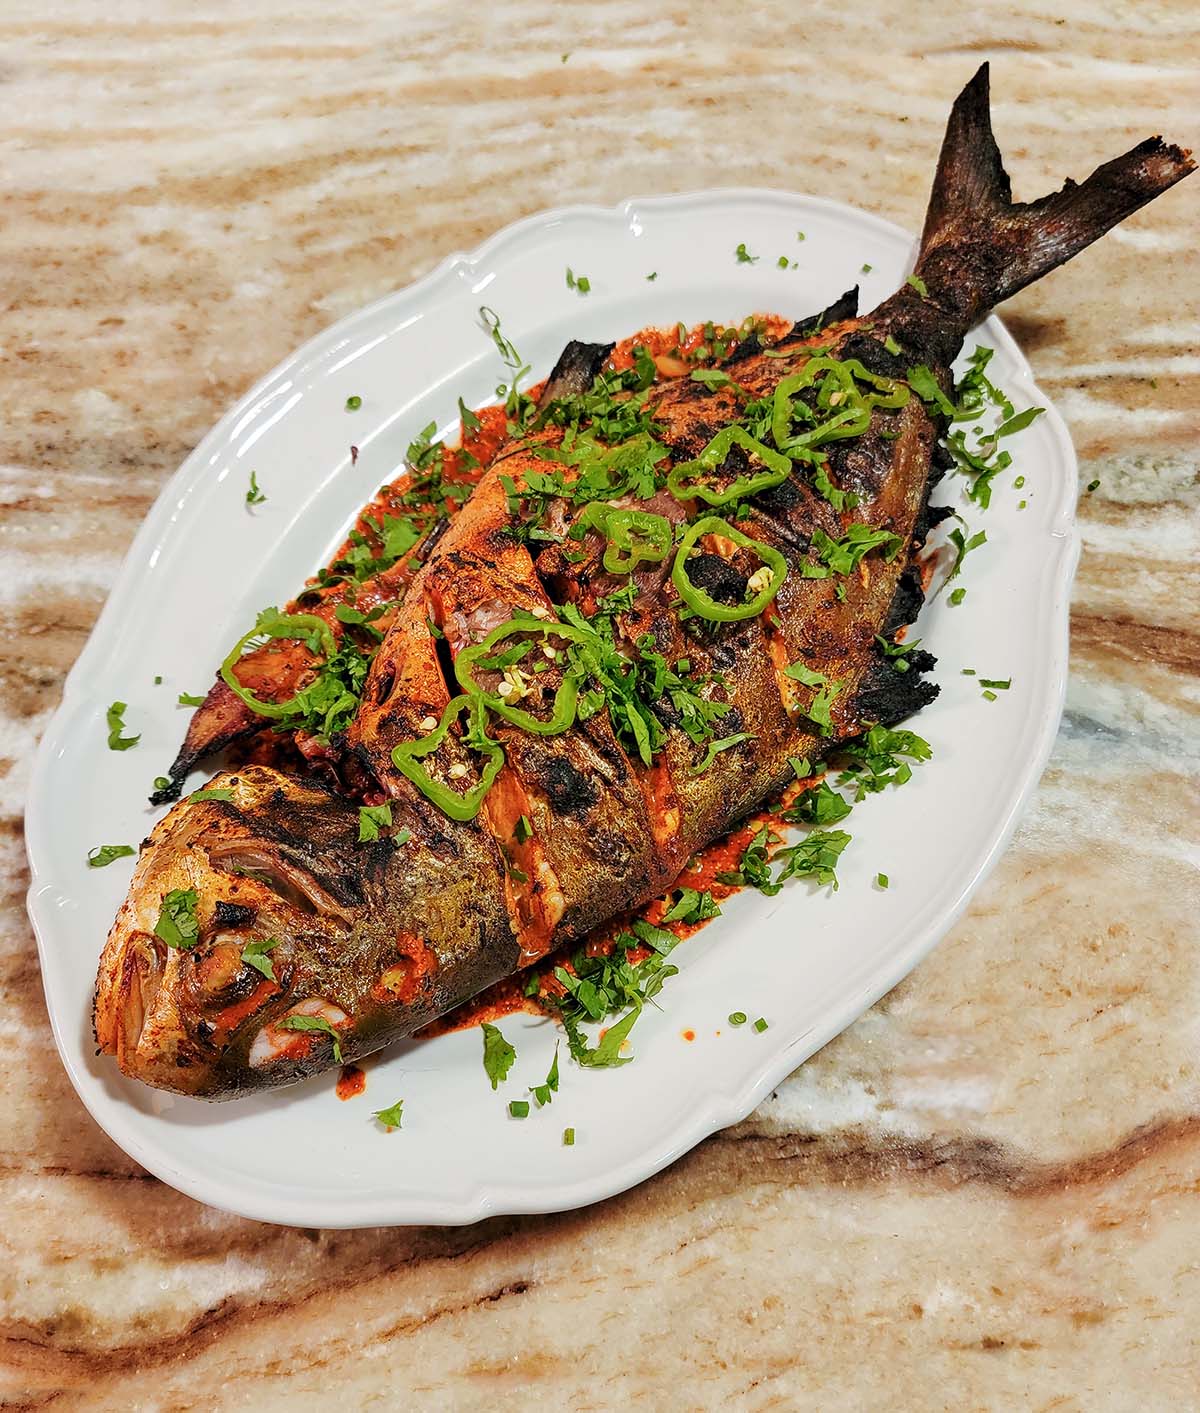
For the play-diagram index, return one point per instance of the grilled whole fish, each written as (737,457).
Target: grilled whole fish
(370,573)
(509,835)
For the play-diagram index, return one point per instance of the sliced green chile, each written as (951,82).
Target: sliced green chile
(702,603)
(289,625)
(778,469)
(457,806)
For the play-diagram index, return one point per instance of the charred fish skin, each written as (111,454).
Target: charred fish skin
(368,941)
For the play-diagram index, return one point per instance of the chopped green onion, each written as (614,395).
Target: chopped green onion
(353,403)
(737,1018)
(519,1108)
(760,1025)
(882,880)
(568,1138)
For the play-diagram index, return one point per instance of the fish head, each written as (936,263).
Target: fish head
(239,898)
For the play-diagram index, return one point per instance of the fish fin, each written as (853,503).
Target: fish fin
(845,306)
(575,371)
(979,247)
(888,696)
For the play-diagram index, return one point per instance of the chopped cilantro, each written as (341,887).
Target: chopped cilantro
(115,717)
(314,1023)
(372,819)
(104,854)
(470,423)
(963,547)
(692,907)
(544,1093)
(254,954)
(881,758)
(498,1054)
(716,747)
(177,923)
(391,1116)
(820,805)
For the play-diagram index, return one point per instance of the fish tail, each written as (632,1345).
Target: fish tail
(979,247)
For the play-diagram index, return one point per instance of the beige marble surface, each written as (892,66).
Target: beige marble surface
(986,1194)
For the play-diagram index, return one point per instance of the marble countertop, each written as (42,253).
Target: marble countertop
(986,1193)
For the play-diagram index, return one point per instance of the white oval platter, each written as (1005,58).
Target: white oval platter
(806,961)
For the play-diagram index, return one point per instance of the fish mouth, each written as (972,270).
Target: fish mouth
(133,986)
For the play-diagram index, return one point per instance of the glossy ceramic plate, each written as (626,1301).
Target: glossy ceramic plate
(807,961)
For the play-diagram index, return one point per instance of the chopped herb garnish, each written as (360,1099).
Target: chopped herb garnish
(522,830)
(219,794)
(177,923)
(598,987)
(161,782)
(390,1117)
(568,1138)
(692,907)
(1092,485)
(820,805)
(372,819)
(716,747)
(254,496)
(470,423)
(115,717)
(353,403)
(543,1093)
(957,596)
(314,1023)
(104,854)
(782,262)
(918,284)
(653,275)
(881,880)
(866,269)
(498,1054)
(1001,685)
(989,696)
(963,547)
(760,1025)
(578,282)
(190,699)
(254,954)
(158,681)
(890,345)
(737,1018)
(518,1108)
(880,758)
(744,257)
